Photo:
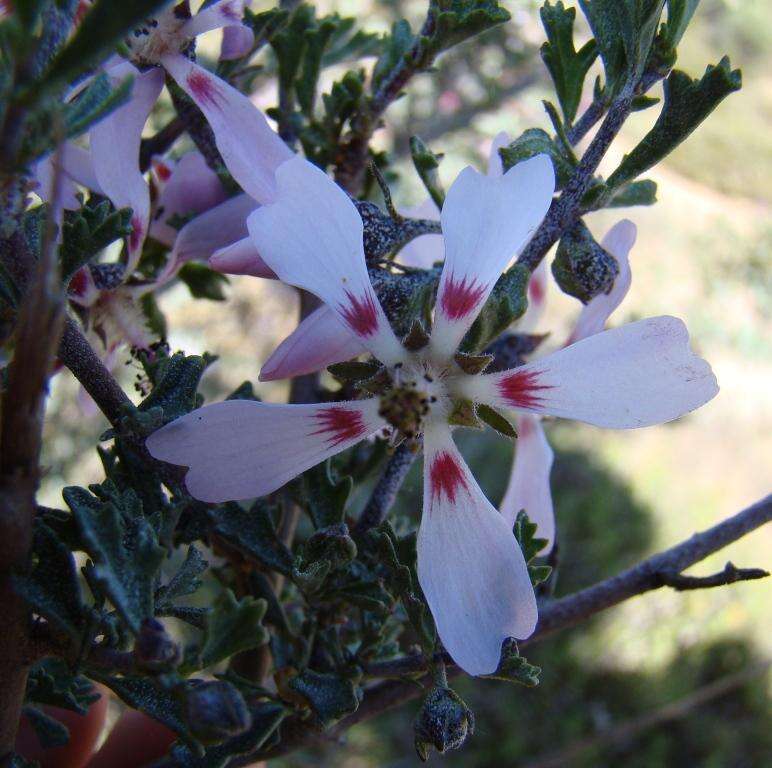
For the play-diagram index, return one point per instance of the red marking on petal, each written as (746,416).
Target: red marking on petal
(162,170)
(137,233)
(84,6)
(521,389)
(341,424)
(446,477)
(460,297)
(536,290)
(204,89)
(361,315)
(231,11)
(79,283)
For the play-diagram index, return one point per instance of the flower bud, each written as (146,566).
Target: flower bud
(154,650)
(215,711)
(443,722)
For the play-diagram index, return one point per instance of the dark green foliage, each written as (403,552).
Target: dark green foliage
(52,587)
(624,31)
(567,66)
(687,103)
(325,495)
(330,696)
(88,231)
(496,421)
(50,732)
(396,47)
(507,302)
(582,268)
(426,164)
(96,101)
(52,683)
(265,719)
(458,20)
(232,626)
(525,533)
(252,532)
(123,547)
(203,283)
(513,667)
(534,142)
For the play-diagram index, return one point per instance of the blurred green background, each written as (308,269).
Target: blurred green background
(703,255)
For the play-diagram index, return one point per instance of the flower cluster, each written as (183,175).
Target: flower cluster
(292,222)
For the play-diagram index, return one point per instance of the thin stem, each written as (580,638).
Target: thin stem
(385,493)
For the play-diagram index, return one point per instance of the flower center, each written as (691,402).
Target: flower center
(416,393)
(158,36)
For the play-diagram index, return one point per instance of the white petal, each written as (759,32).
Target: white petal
(224,13)
(485,221)
(214,229)
(191,187)
(115,143)
(592,319)
(470,566)
(426,250)
(241,258)
(636,375)
(252,151)
(312,238)
(320,340)
(237,41)
(529,483)
(495,166)
(241,449)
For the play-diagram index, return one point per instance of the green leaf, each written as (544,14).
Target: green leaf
(679,14)
(252,533)
(687,103)
(458,20)
(150,697)
(233,626)
(124,548)
(88,231)
(105,24)
(514,668)
(289,45)
(185,581)
(496,421)
(177,378)
(155,319)
(567,66)
(643,192)
(330,696)
(396,46)
(266,718)
(51,682)
(582,268)
(325,494)
(9,291)
(203,282)
(50,732)
(535,141)
(507,302)
(51,587)
(525,533)
(624,31)
(94,103)
(317,41)
(427,164)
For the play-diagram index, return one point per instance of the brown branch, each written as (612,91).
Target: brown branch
(21,432)
(78,355)
(729,575)
(553,616)
(352,161)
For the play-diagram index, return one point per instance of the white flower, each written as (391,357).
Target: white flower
(470,566)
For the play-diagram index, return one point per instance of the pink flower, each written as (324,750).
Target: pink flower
(470,566)
(529,482)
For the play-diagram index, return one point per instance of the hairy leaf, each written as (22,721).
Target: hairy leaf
(233,626)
